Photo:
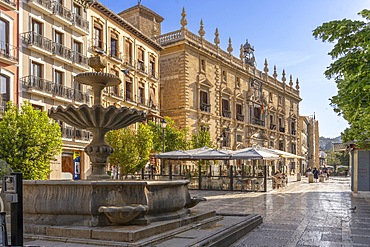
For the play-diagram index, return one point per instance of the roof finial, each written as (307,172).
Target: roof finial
(291,81)
(266,68)
(230,47)
(275,74)
(139,2)
(201,29)
(241,55)
(297,84)
(283,78)
(217,39)
(183,21)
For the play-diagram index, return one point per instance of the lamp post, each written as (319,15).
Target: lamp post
(163,126)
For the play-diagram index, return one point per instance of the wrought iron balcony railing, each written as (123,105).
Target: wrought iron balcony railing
(282,129)
(9,52)
(62,11)
(239,117)
(33,38)
(205,107)
(226,113)
(272,126)
(40,84)
(10,3)
(257,121)
(80,22)
(294,132)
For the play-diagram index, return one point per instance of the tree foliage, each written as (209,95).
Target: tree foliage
(174,138)
(201,139)
(351,72)
(29,140)
(131,149)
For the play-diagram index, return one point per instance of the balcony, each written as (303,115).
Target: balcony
(282,129)
(80,24)
(141,67)
(97,45)
(8,54)
(38,42)
(240,117)
(130,97)
(294,132)
(153,74)
(8,4)
(226,113)
(257,121)
(44,6)
(80,60)
(63,53)
(35,83)
(115,55)
(128,61)
(63,14)
(272,126)
(205,107)
(69,132)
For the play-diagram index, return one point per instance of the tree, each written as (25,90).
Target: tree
(201,139)
(351,72)
(131,149)
(174,138)
(29,140)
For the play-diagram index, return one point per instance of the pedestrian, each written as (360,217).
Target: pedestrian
(315,174)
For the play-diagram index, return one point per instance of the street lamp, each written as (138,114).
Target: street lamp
(163,126)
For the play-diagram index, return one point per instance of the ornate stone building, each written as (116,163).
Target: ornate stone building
(205,87)
(9,50)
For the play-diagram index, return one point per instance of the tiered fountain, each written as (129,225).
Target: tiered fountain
(99,201)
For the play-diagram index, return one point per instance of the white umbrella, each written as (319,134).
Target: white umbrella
(253,154)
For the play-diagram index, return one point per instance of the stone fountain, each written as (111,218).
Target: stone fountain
(99,201)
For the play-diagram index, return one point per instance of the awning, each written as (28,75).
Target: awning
(253,154)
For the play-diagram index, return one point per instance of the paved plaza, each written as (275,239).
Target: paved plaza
(302,214)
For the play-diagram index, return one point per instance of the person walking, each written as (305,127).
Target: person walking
(315,174)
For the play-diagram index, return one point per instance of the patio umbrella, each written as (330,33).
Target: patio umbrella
(282,154)
(198,150)
(174,155)
(253,154)
(211,154)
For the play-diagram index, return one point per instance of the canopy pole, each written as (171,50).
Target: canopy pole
(265,178)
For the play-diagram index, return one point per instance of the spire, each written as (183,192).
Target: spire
(291,81)
(183,21)
(217,39)
(230,47)
(283,78)
(201,29)
(275,74)
(241,53)
(297,84)
(266,68)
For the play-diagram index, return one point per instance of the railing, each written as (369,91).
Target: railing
(170,37)
(8,51)
(153,74)
(115,54)
(44,3)
(257,121)
(80,59)
(294,132)
(282,129)
(46,86)
(75,133)
(205,107)
(33,38)
(114,91)
(128,61)
(141,67)
(62,51)
(62,11)
(239,117)
(80,22)
(226,113)
(272,127)
(10,2)
(97,46)
(129,96)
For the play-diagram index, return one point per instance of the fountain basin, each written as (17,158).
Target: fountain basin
(78,202)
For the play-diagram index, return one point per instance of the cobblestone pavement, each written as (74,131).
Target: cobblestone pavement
(302,214)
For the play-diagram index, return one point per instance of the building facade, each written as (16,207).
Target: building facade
(9,52)
(303,125)
(313,142)
(204,87)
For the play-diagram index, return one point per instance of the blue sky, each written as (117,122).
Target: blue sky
(279,30)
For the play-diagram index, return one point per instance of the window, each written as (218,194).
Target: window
(58,39)
(98,36)
(36,71)
(37,38)
(114,45)
(4,36)
(152,66)
(129,96)
(140,59)
(293,127)
(114,89)
(281,125)
(239,112)
(77,52)
(204,106)
(37,27)
(293,148)
(141,92)
(128,52)
(76,9)
(281,145)
(203,65)
(272,125)
(280,100)
(4,91)
(226,108)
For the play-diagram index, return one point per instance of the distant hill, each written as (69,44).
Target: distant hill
(327,143)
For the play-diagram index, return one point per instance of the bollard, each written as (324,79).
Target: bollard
(310,177)
(298,176)
(321,178)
